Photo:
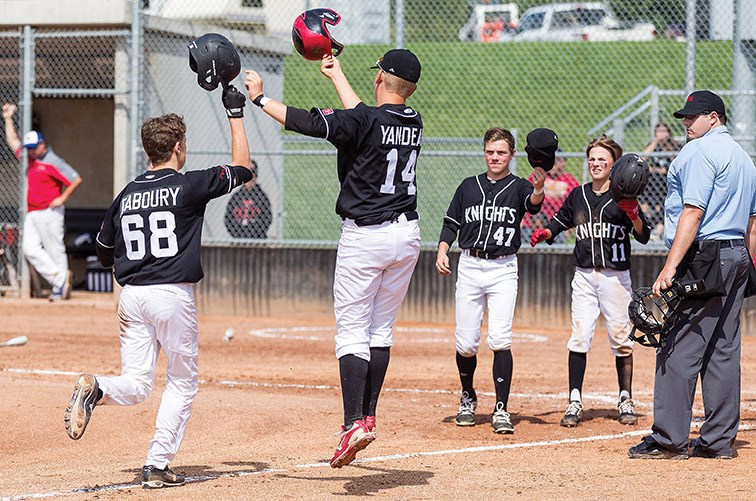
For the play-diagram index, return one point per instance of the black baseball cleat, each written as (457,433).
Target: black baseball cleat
(155,478)
(80,407)
(699,451)
(650,449)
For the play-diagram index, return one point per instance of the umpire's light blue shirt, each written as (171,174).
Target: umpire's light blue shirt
(716,175)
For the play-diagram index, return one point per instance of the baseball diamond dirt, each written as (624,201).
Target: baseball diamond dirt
(265,419)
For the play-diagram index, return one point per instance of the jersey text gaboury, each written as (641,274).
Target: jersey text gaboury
(150,199)
(401,135)
(599,230)
(494,214)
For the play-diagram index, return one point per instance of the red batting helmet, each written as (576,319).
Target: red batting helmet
(310,34)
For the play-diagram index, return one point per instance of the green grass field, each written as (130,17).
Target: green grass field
(465,88)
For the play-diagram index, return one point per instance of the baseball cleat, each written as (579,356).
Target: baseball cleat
(466,411)
(352,441)
(155,478)
(573,415)
(501,420)
(627,413)
(370,423)
(650,449)
(80,407)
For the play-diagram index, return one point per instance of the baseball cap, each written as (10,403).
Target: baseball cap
(541,148)
(701,101)
(32,139)
(400,62)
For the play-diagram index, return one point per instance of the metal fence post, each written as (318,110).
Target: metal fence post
(743,108)
(399,24)
(690,47)
(25,102)
(135,88)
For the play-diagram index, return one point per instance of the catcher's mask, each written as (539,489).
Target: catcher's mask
(653,317)
(215,60)
(541,148)
(629,176)
(310,34)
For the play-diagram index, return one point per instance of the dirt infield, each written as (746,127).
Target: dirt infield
(264,419)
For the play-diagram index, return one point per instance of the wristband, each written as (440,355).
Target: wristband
(538,192)
(260,101)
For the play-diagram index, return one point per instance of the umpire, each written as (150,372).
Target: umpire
(709,210)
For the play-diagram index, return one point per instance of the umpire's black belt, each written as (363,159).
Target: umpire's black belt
(482,254)
(736,242)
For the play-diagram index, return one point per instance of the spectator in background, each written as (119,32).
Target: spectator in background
(248,213)
(557,186)
(653,198)
(50,182)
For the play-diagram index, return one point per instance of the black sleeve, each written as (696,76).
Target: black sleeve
(243,174)
(310,123)
(105,239)
(564,218)
(452,218)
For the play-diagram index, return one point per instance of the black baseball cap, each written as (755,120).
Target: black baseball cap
(541,147)
(701,101)
(400,62)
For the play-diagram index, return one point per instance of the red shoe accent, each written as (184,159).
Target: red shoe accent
(351,442)
(370,423)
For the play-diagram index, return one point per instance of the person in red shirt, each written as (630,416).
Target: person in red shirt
(50,182)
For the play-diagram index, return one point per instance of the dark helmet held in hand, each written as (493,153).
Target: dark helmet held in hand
(629,176)
(215,60)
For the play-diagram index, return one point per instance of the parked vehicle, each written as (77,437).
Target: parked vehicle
(590,21)
(490,22)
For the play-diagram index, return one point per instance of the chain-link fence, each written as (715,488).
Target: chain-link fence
(583,69)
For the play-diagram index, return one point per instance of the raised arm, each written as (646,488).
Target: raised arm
(331,68)
(11,137)
(254,85)
(234,101)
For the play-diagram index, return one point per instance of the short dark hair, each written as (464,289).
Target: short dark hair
(160,135)
(498,134)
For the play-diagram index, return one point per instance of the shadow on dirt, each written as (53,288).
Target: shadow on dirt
(374,481)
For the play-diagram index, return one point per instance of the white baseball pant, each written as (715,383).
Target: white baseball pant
(374,265)
(602,291)
(154,317)
(482,282)
(43,244)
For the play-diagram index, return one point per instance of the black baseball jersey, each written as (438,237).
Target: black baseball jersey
(602,229)
(487,214)
(153,229)
(377,155)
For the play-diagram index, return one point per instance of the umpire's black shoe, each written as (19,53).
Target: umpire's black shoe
(699,451)
(155,478)
(650,449)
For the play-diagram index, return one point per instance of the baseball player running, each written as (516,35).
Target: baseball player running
(380,240)
(601,283)
(151,235)
(486,212)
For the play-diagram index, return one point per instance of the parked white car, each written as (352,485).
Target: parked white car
(565,22)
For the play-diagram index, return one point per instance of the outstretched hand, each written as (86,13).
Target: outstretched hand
(538,236)
(233,101)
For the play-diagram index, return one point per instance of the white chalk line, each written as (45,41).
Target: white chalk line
(376,459)
(296,334)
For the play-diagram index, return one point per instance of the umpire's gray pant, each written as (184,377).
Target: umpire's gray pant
(705,341)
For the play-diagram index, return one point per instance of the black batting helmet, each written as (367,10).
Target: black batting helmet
(214,59)
(310,34)
(629,176)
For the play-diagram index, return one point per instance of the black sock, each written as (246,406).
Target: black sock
(502,374)
(466,367)
(100,394)
(625,373)
(353,371)
(379,361)
(576,363)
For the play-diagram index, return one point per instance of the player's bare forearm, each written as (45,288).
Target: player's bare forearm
(687,227)
(442,259)
(276,110)
(11,136)
(239,144)
(254,84)
(331,68)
